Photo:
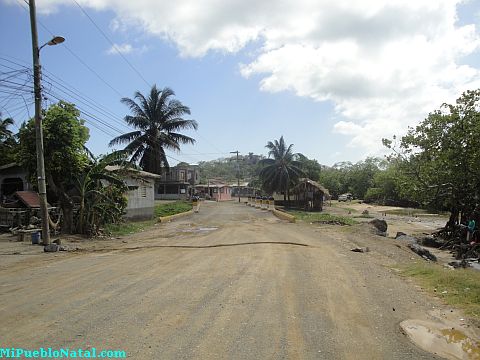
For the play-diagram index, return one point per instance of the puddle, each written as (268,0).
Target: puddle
(438,339)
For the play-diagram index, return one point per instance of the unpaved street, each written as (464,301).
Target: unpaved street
(230,282)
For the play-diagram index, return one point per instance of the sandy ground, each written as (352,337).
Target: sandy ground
(412,225)
(230,282)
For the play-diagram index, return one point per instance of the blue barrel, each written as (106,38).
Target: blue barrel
(36,236)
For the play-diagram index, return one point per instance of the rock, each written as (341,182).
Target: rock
(430,241)
(407,238)
(63,248)
(360,249)
(365,212)
(51,248)
(399,233)
(427,255)
(57,241)
(380,226)
(459,264)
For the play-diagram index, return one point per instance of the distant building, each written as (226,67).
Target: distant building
(177,183)
(214,190)
(244,189)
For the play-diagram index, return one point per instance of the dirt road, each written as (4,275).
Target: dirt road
(230,282)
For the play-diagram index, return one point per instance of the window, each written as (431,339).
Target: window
(181,175)
(221,190)
(143,191)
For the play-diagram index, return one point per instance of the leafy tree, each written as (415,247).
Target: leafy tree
(158,120)
(282,171)
(226,168)
(101,194)
(8,143)
(310,167)
(440,158)
(361,176)
(65,136)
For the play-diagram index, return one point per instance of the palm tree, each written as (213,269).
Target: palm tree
(5,133)
(158,120)
(282,170)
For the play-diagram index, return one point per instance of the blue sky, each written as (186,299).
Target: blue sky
(333,79)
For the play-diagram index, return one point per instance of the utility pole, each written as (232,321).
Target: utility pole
(42,187)
(238,173)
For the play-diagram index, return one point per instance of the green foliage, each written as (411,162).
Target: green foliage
(439,160)
(128,227)
(227,169)
(158,120)
(101,197)
(8,143)
(460,287)
(322,217)
(172,208)
(310,167)
(282,171)
(353,178)
(64,138)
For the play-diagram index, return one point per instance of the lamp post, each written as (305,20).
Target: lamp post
(238,174)
(42,188)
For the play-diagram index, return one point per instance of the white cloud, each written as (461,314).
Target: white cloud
(383,64)
(125,49)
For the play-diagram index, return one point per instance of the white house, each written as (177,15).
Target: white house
(141,191)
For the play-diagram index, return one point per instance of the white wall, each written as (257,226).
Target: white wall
(141,201)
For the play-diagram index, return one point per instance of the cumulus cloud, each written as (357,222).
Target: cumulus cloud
(383,64)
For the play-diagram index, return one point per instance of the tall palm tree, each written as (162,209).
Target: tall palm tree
(158,120)
(282,170)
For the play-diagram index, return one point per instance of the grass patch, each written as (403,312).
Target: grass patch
(364,216)
(127,228)
(132,227)
(414,212)
(172,208)
(322,217)
(459,288)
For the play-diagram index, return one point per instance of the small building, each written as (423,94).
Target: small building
(309,195)
(244,190)
(12,178)
(177,183)
(214,190)
(141,191)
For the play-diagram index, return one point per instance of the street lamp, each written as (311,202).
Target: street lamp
(55,41)
(42,187)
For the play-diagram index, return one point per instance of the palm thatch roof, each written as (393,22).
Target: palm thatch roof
(315,184)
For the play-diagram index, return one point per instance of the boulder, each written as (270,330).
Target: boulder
(51,248)
(405,237)
(380,226)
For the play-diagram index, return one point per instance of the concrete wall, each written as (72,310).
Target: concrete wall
(141,198)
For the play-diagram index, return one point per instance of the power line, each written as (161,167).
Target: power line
(112,43)
(75,55)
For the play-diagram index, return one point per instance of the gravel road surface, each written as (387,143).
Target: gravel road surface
(230,282)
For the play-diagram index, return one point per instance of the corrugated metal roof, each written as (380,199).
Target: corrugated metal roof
(133,171)
(28,198)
